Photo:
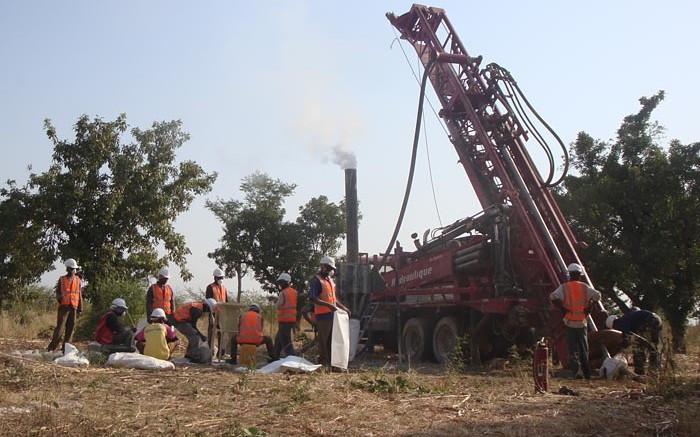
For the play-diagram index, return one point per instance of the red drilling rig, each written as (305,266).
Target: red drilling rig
(485,278)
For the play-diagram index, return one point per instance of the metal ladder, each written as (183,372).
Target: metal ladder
(367,315)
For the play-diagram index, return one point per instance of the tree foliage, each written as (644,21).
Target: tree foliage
(256,237)
(110,200)
(636,205)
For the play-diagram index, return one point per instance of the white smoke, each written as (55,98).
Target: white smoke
(323,109)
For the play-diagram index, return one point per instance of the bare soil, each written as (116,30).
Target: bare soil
(377,397)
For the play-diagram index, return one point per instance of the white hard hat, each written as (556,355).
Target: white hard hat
(218,273)
(609,321)
(284,277)
(119,303)
(328,260)
(575,268)
(254,307)
(211,303)
(70,263)
(158,313)
(164,272)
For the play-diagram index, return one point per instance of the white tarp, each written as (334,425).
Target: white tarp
(354,337)
(340,342)
(37,354)
(135,360)
(72,358)
(291,364)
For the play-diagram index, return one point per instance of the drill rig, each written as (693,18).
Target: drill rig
(485,278)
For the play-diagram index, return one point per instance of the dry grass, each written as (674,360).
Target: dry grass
(377,398)
(374,399)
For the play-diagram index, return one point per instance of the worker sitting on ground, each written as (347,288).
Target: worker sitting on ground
(646,325)
(250,332)
(186,318)
(157,339)
(110,333)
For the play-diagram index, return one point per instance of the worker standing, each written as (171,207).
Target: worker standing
(250,332)
(70,305)
(645,324)
(157,339)
(322,294)
(186,318)
(110,333)
(217,291)
(576,298)
(160,295)
(286,316)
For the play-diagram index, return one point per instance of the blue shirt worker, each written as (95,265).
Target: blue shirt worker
(646,325)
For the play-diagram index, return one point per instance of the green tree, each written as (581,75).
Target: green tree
(257,238)
(636,206)
(109,200)
(25,247)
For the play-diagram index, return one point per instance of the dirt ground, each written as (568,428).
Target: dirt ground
(373,399)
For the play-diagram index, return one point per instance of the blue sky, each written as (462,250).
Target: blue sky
(274,86)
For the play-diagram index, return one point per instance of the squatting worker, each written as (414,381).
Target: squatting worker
(322,295)
(70,305)
(160,295)
(286,316)
(576,299)
(157,339)
(110,333)
(250,332)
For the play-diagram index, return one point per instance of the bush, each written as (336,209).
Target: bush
(133,292)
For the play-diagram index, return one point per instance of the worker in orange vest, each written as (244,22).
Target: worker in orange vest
(576,299)
(286,304)
(186,318)
(250,331)
(322,294)
(70,305)
(217,291)
(160,295)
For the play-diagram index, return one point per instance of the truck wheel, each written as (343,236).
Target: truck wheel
(445,339)
(415,339)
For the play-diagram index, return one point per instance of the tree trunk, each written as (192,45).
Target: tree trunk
(240,280)
(678,332)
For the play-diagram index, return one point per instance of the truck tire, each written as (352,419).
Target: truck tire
(415,339)
(445,339)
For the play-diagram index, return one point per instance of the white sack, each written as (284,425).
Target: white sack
(613,368)
(340,342)
(135,360)
(290,364)
(72,358)
(354,337)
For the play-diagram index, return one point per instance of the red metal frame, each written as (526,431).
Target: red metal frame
(490,142)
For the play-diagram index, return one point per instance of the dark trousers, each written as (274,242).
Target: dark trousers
(197,349)
(577,343)
(268,345)
(324,336)
(64,320)
(122,342)
(650,330)
(283,339)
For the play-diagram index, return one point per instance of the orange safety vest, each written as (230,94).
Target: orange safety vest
(162,298)
(183,313)
(70,291)
(327,295)
(103,335)
(250,328)
(287,313)
(575,300)
(218,292)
